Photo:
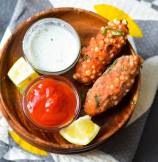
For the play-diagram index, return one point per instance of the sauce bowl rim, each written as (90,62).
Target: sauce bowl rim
(51,128)
(39,22)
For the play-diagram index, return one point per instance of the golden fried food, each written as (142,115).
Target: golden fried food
(101,51)
(113,85)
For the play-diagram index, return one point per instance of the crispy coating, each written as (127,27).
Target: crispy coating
(101,51)
(113,85)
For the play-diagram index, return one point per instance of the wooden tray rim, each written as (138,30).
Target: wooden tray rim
(16,126)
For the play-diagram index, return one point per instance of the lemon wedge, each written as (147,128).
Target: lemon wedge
(21,74)
(111,12)
(81,132)
(26,146)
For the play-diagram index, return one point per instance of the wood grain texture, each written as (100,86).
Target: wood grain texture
(87,25)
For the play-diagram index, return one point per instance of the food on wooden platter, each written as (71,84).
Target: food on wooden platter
(101,50)
(113,85)
(51,102)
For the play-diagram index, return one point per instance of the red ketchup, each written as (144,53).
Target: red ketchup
(51,103)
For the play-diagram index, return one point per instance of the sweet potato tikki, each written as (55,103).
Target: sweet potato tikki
(101,51)
(113,85)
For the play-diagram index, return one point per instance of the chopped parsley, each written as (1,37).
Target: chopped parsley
(104,31)
(110,67)
(117,33)
(97,100)
(114,62)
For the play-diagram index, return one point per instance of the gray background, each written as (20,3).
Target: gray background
(6,10)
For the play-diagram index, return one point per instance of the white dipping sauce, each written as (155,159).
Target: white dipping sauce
(51,45)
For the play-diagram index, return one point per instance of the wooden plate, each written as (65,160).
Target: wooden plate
(87,25)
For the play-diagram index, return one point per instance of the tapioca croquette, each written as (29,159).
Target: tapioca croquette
(101,50)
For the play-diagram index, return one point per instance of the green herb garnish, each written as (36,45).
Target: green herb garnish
(110,67)
(114,62)
(97,100)
(104,31)
(141,66)
(117,33)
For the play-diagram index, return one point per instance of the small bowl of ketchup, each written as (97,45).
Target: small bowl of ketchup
(51,102)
